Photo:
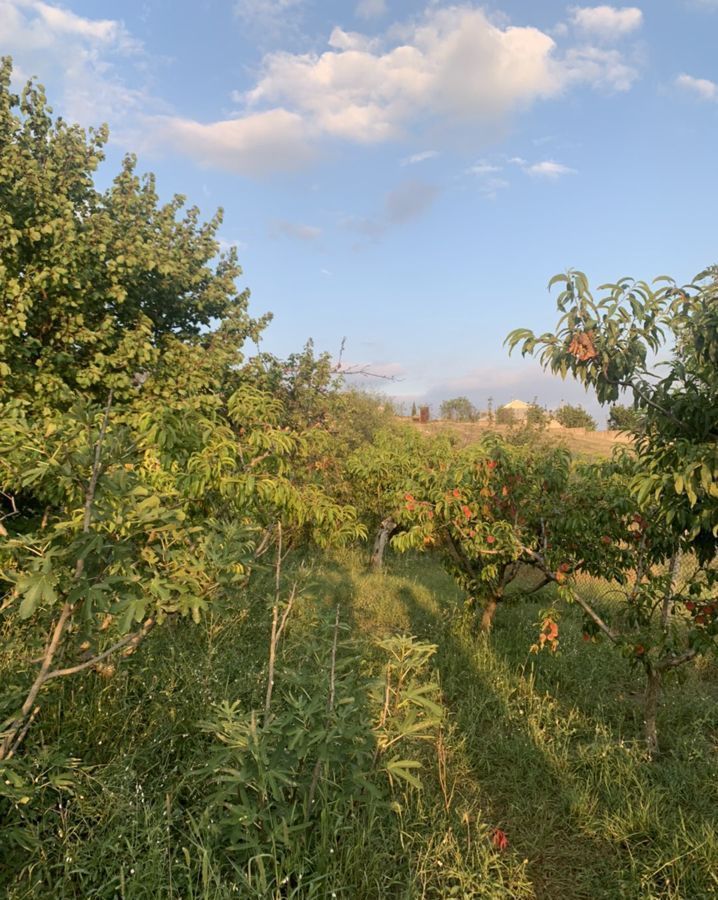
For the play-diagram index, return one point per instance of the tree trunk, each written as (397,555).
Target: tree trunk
(487,618)
(650,711)
(674,572)
(382,536)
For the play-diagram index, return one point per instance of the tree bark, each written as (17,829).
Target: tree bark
(382,537)
(487,618)
(650,711)
(674,573)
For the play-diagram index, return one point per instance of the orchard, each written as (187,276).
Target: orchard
(262,639)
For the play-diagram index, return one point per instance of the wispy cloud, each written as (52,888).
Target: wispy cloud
(405,203)
(548,168)
(606,22)
(418,157)
(269,17)
(298,231)
(699,87)
(93,62)
(482,167)
(371,9)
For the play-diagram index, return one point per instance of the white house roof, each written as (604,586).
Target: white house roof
(516,404)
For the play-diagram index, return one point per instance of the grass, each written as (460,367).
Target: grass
(545,747)
(579,441)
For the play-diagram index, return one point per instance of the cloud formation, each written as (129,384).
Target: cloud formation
(606,22)
(448,68)
(79,54)
(548,168)
(256,145)
(418,157)
(700,87)
(297,230)
(454,66)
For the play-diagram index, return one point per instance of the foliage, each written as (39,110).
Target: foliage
(536,416)
(606,344)
(142,465)
(505,416)
(290,781)
(624,418)
(574,417)
(459,409)
(483,506)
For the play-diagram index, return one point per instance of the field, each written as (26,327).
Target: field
(547,748)
(578,440)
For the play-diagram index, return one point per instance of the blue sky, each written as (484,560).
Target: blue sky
(408,175)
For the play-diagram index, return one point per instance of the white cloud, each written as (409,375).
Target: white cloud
(701,87)
(606,22)
(78,55)
(482,167)
(451,67)
(548,169)
(253,145)
(418,157)
(601,68)
(298,231)
(371,9)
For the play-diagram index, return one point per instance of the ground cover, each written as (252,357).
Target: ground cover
(542,751)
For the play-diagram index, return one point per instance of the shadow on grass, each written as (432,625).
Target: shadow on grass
(563,768)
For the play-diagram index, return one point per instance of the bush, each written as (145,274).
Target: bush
(574,417)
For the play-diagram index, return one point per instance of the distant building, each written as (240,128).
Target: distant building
(515,409)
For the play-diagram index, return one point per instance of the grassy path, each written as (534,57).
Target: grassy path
(544,747)
(551,744)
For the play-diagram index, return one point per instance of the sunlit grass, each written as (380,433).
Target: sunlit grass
(545,747)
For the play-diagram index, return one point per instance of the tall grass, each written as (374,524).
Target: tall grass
(545,747)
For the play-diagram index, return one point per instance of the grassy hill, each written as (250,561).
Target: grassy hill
(578,440)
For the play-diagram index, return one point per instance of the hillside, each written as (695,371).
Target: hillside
(578,440)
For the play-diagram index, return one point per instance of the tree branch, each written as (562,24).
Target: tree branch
(671,662)
(129,640)
(584,604)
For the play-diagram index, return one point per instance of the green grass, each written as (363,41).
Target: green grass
(546,747)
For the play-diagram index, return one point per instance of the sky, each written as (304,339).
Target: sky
(407,175)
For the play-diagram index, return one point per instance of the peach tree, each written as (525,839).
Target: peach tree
(611,344)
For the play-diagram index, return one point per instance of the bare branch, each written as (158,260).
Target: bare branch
(672,662)
(129,640)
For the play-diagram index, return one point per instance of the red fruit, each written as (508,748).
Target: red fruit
(491,464)
(472,533)
(606,540)
(586,636)
(564,567)
(490,539)
(408,496)
(456,492)
(700,619)
(639,649)
(690,605)
(466,511)
(499,839)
